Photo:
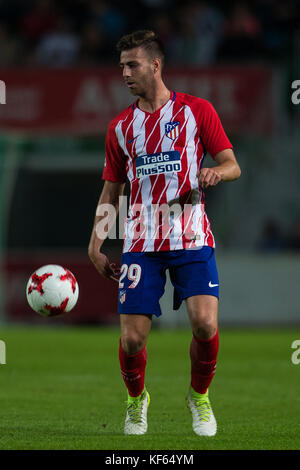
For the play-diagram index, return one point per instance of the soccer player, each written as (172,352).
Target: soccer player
(159,144)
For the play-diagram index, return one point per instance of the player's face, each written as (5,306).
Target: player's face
(138,70)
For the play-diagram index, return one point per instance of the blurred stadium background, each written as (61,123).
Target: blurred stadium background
(63,86)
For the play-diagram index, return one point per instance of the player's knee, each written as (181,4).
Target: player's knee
(133,342)
(205,327)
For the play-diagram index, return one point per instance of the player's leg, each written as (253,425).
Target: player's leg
(133,352)
(139,294)
(133,360)
(195,279)
(203,315)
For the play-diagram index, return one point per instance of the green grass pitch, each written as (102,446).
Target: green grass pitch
(61,389)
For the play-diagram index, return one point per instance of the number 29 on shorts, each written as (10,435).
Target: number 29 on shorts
(133,273)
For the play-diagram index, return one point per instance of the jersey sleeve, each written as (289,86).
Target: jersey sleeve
(115,159)
(212,133)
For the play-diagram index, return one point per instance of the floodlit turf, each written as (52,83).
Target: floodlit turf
(62,389)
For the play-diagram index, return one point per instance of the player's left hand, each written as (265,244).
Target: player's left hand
(208,177)
(116,272)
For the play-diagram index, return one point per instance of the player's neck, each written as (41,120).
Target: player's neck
(154,99)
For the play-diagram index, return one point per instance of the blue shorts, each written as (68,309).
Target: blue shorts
(143,278)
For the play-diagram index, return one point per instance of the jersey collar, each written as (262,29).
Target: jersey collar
(172,98)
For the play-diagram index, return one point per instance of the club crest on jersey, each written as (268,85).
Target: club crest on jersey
(172,129)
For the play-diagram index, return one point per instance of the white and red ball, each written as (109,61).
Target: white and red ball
(52,290)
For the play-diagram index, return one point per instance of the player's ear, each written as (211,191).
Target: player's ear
(156,65)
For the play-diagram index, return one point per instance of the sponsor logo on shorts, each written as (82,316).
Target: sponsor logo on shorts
(158,163)
(212,285)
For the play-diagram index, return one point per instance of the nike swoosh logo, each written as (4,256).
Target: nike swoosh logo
(131,140)
(212,285)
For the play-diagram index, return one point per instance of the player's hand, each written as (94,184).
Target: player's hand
(208,177)
(104,267)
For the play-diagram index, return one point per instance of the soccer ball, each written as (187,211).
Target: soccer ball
(52,290)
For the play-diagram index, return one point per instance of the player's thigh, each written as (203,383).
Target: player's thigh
(194,273)
(134,331)
(142,283)
(203,314)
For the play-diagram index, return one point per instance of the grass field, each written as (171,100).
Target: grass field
(62,389)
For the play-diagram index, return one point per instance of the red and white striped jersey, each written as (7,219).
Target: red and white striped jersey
(161,154)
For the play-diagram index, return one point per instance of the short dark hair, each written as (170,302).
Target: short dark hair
(144,38)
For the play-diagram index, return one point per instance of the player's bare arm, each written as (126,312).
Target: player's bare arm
(227,169)
(109,195)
